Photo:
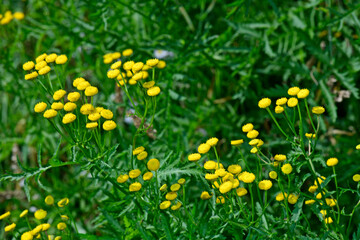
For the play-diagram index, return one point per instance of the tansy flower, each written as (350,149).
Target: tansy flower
(46,226)
(69,106)
(142,155)
(194,157)
(121,82)
(228,177)
(280,157)
(286,168)
(137,67)
(10,227)
(210,165)
(205,195)
(127,66)
(292,102)
(235,183)
(91,91)
(211,176)
(303,93)
(225,187)
(254,150)
(5,215)
(153,164)
(18,15)
(241,191)
(129,74)
(273,175)
(146,67)
(50,113)
(313,188)
(145,74)
(320,195)
(152,62)
(212,141)
(261,142)
(40,214)
(280,196)
(135,187)
(279,109)
(176,206)
(164,205)
(107,114)
(68,118)
(204,148)
(252,134)
(132,82)
(292,199)
(134,173)
(332,162)
(318,110)
(310,135)
(31,75)
(281,101)
(36,230)
(181,181)
(59,94)
(293,91)
(237,142)
(171,196)
(27,236)
(358,147)
(220,172)
(148,84)
(115,55)
(40,107)
(40,65)
(264,103)
(215,185)
(234,169)
(247,127)
(49,200)
(356,178)
(138,150)
(73,96)
(61,59)
(254,142)
(83,85)
(116,65)
(77,81)
(40,57)
(163,187)
(51,58)
(108,60)
(147,176)
(247,177)
(23,213)
(63,202)
(220,199)
(275,163)
(92,125)
(309,202)
(61,226)
(265,185)
(44,70)
(161,64)
(86,109)
(122,178)
(127,52)
(57,106)
(137,76)
(153,91)
(113,73)
(28,65)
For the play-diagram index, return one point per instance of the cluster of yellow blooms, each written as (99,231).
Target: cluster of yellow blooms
(41,64)
(40,214)
(152,165)
(172,195)
(133,72)
(9,16)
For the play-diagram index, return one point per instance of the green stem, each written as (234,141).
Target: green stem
(308,112)
(277,124)
(352,214)
(301,129)
(288,121)
(337,195)
(252,203)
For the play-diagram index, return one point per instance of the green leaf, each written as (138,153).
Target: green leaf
(348,83)
(331,107)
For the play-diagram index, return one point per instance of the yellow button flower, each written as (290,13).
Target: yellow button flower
(241,191)
(23,213)
(313,188)
(127,52)
(49,200)
(61,226)
(356,178)
(221,172)
(281,101)
(212,141)
(153,91)
(211,176)
(280,157)
(254,142)
(279,109)
(50,113)
(225,187)
(265,185)
(153,164)
(252,134)
(194,157)
(61,59)
(332,162)
(10,227)
(309,202)
(116,55)
(40,107)
(264,103)
(254,150)
(63,202)
(210,165)
(137,67)
(135,187)
(204,148)
(91,91)
(142,155)
(303,93)
(127,66)
(57,106)
(44,70)
(46,226)
(116,65)
(27,236)
(40,214)
(161,64)
(92,125)
(107,114)
(175,187)
(237,142)
(94,116)
(59,94)
(86,109)
(83,85)
(28,65)
(164,205)
(176,206)
(41,58)
(171,196)
(51,58)
(19,15)
(273,175)
(293,91)
(148,84)
(181,181)
(286,168)
(318,110)
(77,81)
(292,102)
(73,96)
(138,150)
(40,65)
(280,196)
(292,199)
(234,169)
(5,215)
(163,187)
(68,118)
(122,178)
(205,195)
(152,62)
(247,177)
(147,176)
(134,173)
(31,75)
(69,106)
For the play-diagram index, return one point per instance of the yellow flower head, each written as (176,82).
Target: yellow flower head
(107,114)
(77,81)
(115,55)
(254,142)
(280,196)
(40,214)
(10,227)
(280,157)
(148,84)
(83,85)
(313,188)
(330,202)
(234,169)
(211,176)
(303,93)
(181,181)
(164,205)
(40,107)
(210,165)
(50,113)
(237,142)
(31,75)
(127,52)
(279,109)
(108,60)
(273,175)
(61,59)
(44,70)
(128,65)
(205,195)
(69,106)
(142,155)
(132,82)
(176,206)
(145,74)
(116,65)
(161,64)
(175,187)
(252,134)
(5,215)
(134,173)
(153,91)
(122,178)
(212,141)
(68,118)
(147,176)
(265,185)
(225,187)
(153,164)
(163,187)
(28,65)
(23,213)
(59,94)
(171,196)
(137,67)
(194,157)
(146,68)
(292,102)
(19,15)
(220,172)
(286,168)
(309,202)
(49,200)
(247,127)
(57,106)
(264,103)
(254,150)
(204,148)
(220,199)
(332,162)
(36,230)
(137,76)
(113,73)
(356,178)
(92,125)
(318,110)
(292,199)
(135,187)
(241,191)
(27,236)
(293,91)
(328,220)
(51,58)
(138,150)
(247,177)
(91,91)
(40,65)
(281,101)
(61,226)
(86,109)
(152,62)
(261,142)
(310,135)
(63,202)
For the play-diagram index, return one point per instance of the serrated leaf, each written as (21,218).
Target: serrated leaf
(113,223)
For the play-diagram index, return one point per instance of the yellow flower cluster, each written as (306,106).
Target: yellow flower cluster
(9,16)
(171,195)
(252,134)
